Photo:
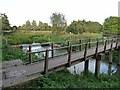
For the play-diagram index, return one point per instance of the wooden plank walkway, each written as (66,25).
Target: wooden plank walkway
(21,73)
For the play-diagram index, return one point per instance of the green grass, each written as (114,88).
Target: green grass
(13,39)
(63,79)
(9,53)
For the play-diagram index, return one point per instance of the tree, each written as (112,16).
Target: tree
(111,25)
(28,25)
(4,22)
(58,22)
(34,25)
(79,27)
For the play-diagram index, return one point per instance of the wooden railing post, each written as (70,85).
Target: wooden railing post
(46,62)
(21,47)
(69,56)
(68,46)
(52,47)
(89,43)
(105,45)
(80,46)
(30,55)
(97,66)
(116,43)
(85,52)
(96,51)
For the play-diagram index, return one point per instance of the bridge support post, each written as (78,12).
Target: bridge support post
(110,57)
(97,66)
(46,62)
(86,67)
(109,69)
(110,53)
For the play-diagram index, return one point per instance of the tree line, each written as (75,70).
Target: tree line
(111,25)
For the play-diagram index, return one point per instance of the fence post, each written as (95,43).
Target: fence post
(69,56)
(46,62)
(80,46)
(52,47)
(30,55)
(97,66)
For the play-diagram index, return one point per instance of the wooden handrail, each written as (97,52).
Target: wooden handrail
(87,44)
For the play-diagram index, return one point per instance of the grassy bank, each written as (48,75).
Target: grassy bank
(63,79)
(46,37)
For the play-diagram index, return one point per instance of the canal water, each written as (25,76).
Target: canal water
(76,69)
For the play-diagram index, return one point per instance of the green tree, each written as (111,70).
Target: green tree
(111,25)
(28,25)
(58,22)
(79,27)
(4,22)
(34,25)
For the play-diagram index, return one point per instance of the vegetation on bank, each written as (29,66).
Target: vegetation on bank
(9,53)
(28,38)
(63,79)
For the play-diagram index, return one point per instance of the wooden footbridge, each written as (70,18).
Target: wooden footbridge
(16,72)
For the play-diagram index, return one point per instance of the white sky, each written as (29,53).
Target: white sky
(19,11)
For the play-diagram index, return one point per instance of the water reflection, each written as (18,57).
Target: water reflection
(104,67)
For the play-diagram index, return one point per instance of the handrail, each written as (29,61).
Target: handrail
(88,43)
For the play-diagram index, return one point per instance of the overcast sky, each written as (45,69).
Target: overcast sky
(19,11)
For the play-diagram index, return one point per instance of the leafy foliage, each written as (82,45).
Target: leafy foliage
(58,22)
(63,79)
(10,53)
(5,22)
(111,25)
(80,27)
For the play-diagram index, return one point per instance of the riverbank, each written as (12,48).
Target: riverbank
(28,38)
(63,79)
